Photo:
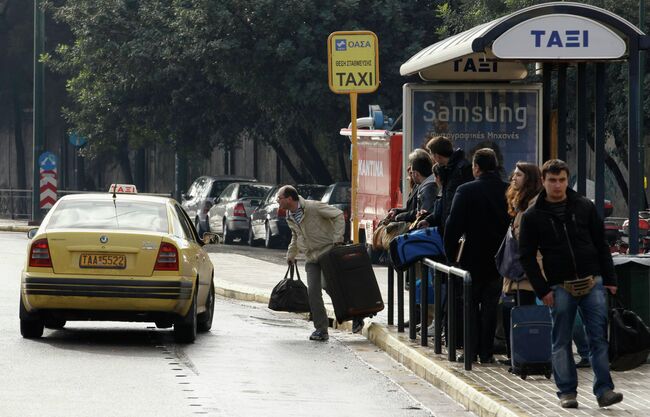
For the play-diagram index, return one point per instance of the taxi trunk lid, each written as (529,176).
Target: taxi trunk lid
(97,252)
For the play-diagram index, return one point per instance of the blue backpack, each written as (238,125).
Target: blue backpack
(411,247)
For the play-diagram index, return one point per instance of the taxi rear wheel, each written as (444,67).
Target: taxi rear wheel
(205,318)
(185,328)
(29,328)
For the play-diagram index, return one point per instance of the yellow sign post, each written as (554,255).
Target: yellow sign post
(353,68)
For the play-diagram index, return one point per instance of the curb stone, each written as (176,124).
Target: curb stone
(16,228)
(452,382)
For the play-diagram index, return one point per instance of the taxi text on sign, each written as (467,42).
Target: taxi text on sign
(353,62)
(559,36)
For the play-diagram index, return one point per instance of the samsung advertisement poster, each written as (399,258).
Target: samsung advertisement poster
(504,117)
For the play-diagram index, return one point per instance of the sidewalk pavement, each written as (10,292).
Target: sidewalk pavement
(486,390)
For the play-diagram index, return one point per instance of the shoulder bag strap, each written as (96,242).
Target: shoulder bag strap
(297,271)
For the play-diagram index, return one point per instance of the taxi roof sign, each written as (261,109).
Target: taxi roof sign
(122,189)
(353,62)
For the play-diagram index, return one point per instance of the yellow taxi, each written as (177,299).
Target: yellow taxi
(117,257)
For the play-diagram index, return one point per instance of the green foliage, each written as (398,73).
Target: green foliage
(205,72)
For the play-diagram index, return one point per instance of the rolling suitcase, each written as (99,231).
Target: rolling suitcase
(350,282)
(530,340)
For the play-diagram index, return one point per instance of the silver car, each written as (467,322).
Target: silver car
(230,214)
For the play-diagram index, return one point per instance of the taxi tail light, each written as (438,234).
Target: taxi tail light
(167,258)
(39,254)
(239,210)
(282,212)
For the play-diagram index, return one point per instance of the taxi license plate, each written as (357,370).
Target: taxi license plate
(109,261)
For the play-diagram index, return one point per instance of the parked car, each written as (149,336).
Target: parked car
(268,221)
(339,195)
(117,257)
(229,216)
(198,198)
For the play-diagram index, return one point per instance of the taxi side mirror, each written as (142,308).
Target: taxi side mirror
(31,233)
(211,238)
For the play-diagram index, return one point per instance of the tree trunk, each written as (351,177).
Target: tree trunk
(308,153)
(323,174)
(21,176)
(139,174)
(618,175)
(20,206)
(125,163)
(279,150)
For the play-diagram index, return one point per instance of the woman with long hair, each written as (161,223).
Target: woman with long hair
(525,185)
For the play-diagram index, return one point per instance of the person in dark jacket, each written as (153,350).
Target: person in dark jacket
(565,227)
(421,172)
(455,170)
(479,211)
(435,216)
(398,214)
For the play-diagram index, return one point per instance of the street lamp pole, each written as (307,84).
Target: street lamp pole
(642,59)
(38,114)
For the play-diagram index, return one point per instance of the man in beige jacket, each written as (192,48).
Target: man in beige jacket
(315,228)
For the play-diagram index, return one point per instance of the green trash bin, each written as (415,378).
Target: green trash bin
(634,283)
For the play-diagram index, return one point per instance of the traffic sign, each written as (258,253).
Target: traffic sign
(48,179)
(76,139)
(353,68)
(47,161)
(353,62)
(48,189)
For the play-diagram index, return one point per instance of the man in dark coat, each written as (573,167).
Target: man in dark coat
(454,171)
(479,211)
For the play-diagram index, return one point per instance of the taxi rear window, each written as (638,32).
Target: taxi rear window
(120,215)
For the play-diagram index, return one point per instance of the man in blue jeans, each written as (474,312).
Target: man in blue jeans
(565,227)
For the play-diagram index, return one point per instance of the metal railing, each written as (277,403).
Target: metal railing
(15,204)
(440,271)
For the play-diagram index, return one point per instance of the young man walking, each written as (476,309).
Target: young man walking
(565,228)
(315,228)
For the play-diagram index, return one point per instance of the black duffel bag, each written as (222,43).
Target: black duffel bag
(629,338)
(290,294)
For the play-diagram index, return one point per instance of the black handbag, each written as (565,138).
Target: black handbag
(290,294)
(507,258)
(629,338)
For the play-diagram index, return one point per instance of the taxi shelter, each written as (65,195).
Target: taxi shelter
(555,34)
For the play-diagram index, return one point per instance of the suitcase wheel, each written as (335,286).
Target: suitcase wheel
(523,376)
(548,376)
